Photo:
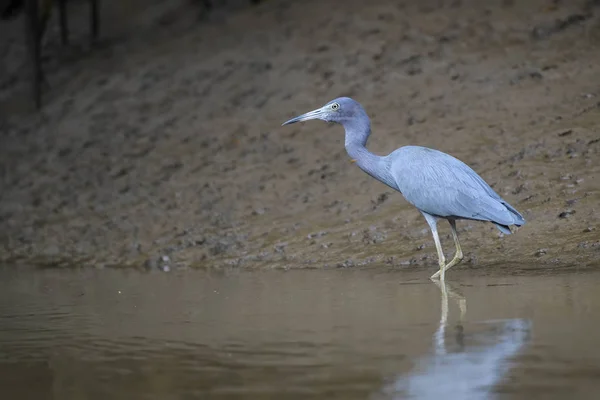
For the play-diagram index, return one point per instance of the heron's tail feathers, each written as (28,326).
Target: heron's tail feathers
(503,228)
(518,219)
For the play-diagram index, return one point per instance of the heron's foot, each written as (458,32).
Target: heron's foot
(441,273)
(438,276)
(458,257)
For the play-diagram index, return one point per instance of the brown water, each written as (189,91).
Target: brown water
(348,334)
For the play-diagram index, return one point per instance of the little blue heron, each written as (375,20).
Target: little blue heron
(439,185)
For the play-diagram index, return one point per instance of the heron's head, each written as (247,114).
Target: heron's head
(342,110)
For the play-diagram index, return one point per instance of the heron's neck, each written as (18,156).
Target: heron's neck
(372,164)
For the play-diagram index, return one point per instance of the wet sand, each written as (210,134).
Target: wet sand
(161,145)
(367,333)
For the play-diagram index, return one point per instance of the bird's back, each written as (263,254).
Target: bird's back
(444,186)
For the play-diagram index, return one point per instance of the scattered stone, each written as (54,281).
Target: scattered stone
(372,236)
(541,252)
(413,65)
(547,30)
(586,244)
(280,247)
(566,213)
(316,235)
(412,120)
(346,264)
(519,189)
(589,229)
(536,75)
(531,74)
(380,199)
(565,133)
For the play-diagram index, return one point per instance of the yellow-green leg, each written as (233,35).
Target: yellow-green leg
(457,257)
(432,221)
(441,258)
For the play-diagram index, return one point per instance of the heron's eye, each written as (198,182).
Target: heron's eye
(335,106)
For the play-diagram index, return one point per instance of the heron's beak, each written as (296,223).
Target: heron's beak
(315,114)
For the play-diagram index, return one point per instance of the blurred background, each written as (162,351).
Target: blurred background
(161,135)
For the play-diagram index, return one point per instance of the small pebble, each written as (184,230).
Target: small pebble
(346,264)
(280,247)
(541,252)
(317,235)
(566,133)
(566,213)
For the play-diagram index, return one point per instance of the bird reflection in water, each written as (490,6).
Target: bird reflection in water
(468,365)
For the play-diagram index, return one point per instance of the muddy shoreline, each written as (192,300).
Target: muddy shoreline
(164,149)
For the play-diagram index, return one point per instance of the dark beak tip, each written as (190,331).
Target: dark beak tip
(304,117)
